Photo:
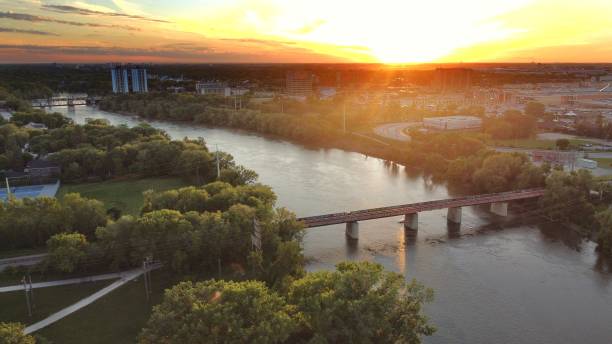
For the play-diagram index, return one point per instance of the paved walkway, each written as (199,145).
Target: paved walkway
(125,277)
(21,261)
(77,280)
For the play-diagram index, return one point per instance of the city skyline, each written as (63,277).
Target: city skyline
(262,31)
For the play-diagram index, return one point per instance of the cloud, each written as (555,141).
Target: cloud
(310,27)
(90,12)
(31,32)
(270,43)
(33,18)
(171,52)
(110,51)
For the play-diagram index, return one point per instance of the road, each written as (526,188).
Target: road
(395,131)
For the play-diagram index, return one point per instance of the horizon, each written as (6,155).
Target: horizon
(275,32)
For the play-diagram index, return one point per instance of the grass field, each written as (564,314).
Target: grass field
(537,143)
(122,194)
(604,162)
(46,301)
(116,318)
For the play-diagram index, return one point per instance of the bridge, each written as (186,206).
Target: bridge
(498,202)
(66,101)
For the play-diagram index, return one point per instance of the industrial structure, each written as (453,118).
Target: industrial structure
(452,123)
(299,84)
(125,75)
(452,79)
(220,89)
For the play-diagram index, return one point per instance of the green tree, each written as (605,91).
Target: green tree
(360,303)
(604,237)
(562,144)
(219,312)
(567,197)
(12,333)
(535,109)
(195,164)
(83,215)
(66,251)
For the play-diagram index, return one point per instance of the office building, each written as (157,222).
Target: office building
(211,87)
(452,79)
(139,80)
(124,75)
(299,84)
(119,75)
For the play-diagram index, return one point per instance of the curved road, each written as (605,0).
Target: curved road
(395,131)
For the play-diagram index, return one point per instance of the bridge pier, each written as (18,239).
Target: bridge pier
(454,215)
(500,208)
(411,221)
(352,230)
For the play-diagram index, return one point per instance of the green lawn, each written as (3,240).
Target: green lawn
(122,194)
(537,144)
(46,301)
(603,162)
(116,318)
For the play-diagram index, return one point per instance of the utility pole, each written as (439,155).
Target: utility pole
(31,291)
(8,189)
(218,164)
(344,117)
(146,281)
(148,274)
(27,296)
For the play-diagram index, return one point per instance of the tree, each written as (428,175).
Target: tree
(219,312)
(604,237)
(83,215)
(66,251)
(567,197)
(12,333)
(195,163)
(360,303)
(535,109)
(562,144)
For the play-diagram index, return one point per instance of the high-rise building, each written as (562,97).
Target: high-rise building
(453,79)
(299,84)
(139,80)
(119,75)
(123,75)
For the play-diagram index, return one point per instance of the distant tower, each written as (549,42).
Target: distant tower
(123,75)
(119,75)
(139,80)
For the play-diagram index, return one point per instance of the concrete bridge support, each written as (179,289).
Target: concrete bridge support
(454,215)
(500,208)
(352,230)
(411,221)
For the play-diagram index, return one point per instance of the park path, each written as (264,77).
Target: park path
(125,277)
(21,261)
(77,280)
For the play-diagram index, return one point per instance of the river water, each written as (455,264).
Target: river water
(513,280)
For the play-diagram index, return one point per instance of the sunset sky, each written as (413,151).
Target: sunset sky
(388,31)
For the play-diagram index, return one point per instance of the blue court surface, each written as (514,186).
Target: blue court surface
(30,191)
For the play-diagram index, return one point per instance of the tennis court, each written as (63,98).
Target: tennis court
(30,191)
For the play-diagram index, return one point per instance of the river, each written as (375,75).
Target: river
(495,280)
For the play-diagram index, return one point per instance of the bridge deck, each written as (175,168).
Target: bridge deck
(398,210)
